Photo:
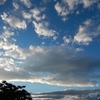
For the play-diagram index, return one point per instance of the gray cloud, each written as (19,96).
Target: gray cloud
(69,95)
(63,67)
(55,65)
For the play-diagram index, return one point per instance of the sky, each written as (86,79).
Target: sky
(52,47)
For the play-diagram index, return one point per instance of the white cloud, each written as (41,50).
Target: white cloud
(26,15)
(88,3)
(66,7)
(36,14)
(42,29)
(2,2)
(19,53)
(7,33)
(86,32)
(61,10)
(79,49)
(5,44)
(67,40)
(15,5)
(7,64)
(41,26)
(27,3)
(71,3)
(14,21)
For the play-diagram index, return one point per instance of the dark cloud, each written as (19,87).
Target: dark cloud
(64,66)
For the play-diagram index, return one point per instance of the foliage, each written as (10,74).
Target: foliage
(9,91)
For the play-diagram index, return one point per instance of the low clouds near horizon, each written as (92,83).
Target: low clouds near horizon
(68,95)
(36,46)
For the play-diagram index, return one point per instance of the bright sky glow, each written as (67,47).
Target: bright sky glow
(51,45)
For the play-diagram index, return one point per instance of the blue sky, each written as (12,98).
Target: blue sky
(51,45)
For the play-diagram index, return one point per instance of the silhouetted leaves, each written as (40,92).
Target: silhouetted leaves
(9,91)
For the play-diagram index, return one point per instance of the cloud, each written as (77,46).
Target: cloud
(56,65)
(26,15)
(87,32)
(7,64)
(68,95)
(88,3)
(5,44)
(15,5)
(61,10)
(63,65)
(63,70)
(2,2)
(66,7)
(14,21)
(41,26)
(36,14)
(27,3)
(17,52)
(67,39)
(42,29)
(79,49)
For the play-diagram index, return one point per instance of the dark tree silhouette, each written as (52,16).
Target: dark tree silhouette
(9,91)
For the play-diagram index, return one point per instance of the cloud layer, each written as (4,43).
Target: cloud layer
(68,95)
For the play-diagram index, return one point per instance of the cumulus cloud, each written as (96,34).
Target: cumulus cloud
(5,44)
(36,13)
(2,2)
(15,5)
(14,21)
(86,32)
(42,29)
(26,15)
(27,3)
(79,49)
(88,3)
(66,7)
(17,52)
(41,26)
(67,39)
(61,10)
(7,64)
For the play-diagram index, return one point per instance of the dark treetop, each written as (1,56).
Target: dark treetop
(9,91)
